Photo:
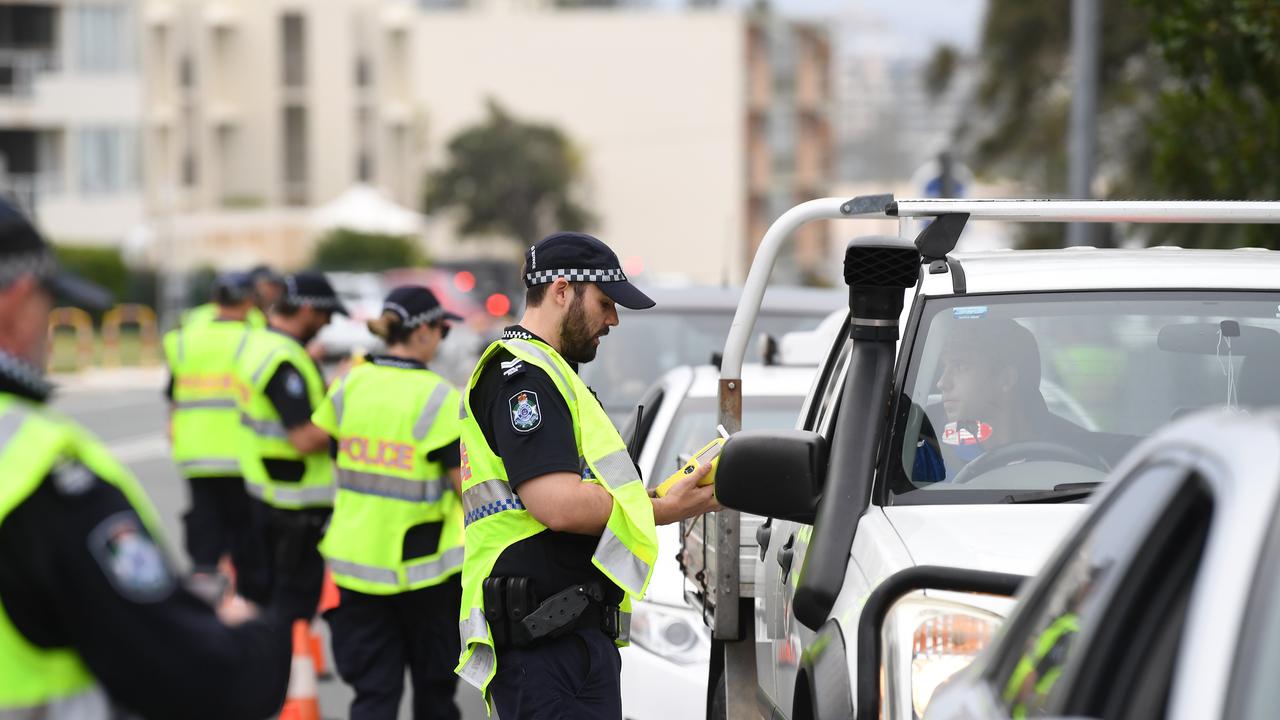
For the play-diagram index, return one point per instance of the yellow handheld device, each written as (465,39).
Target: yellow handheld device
(710,453)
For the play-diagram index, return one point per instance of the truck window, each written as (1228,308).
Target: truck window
(1006,394)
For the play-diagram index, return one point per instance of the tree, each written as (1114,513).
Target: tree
(1189,103)
(510,178)
(364,252)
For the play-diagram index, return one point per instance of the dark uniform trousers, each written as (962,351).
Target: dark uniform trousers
(220,523)
(574,676)
(376,636)
(288,541)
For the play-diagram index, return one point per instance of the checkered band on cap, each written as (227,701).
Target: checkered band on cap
(319,302)
(542,277)
(40,263)
(411,321)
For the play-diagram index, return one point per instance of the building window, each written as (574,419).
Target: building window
(295,155)
(106,160)
(293,31)
(102,37)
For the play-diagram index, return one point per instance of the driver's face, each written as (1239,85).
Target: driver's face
(968,389)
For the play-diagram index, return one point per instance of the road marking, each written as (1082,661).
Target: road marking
(140,447)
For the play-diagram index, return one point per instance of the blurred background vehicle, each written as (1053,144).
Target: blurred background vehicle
(362,293)
(670,643)
(686,327)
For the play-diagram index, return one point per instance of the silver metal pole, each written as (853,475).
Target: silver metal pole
(1094,211)
(1084,110)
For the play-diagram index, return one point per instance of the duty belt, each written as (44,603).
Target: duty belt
(515,622)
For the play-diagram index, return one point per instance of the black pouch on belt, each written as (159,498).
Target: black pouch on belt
(558,614)
(506,602)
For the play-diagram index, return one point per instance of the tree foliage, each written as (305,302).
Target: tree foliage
(510,178)
(364,252)
(1188,98)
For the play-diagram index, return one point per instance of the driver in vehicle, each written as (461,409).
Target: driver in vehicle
(990,387)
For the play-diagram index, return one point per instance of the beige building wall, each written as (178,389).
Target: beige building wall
(656,101)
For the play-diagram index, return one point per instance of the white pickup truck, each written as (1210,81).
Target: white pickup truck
(968,407)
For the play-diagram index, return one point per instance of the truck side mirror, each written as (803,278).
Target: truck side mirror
(776,473)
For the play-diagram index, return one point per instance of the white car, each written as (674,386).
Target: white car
(664,671)
(1163,603)
(362,293)
(971,402)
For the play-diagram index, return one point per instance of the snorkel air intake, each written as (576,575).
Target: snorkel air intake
(879,271)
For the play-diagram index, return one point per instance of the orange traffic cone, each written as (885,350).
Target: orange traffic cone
(329,599)
(301,702)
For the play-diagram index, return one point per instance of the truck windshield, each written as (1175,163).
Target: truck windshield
(1014,396)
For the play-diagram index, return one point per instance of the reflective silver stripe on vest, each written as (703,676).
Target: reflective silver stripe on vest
(487,498)
(206,404)
(256,490)
(244,340)
(624,626)
(319,494)
(368,483)
(448,561)
(429,412)
(531,349)
(364,572)
(623,564)
(337,399)
(473,627)
(264,428)
(231,465)
(257,374)
(617,468)
(91,704)
(478,667)
(10,423)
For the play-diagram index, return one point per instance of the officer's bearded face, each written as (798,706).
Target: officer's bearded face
(586,321)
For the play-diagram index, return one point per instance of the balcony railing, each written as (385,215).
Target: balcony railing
(19,68)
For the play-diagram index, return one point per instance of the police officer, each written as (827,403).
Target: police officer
(94,624)
(560,530)
(394,543)
(205,426)
(284,457)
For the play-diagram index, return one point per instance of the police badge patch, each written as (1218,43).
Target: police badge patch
(130,559)
(525,416)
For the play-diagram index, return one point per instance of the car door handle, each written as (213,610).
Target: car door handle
(786,556)
(763,533)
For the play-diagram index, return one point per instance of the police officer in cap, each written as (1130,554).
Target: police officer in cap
(560,530)
(94,623)
(284,457)
(394,544)
(205,430)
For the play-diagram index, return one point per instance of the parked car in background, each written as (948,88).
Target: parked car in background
(1163,604)
(362,293)
(664,671)
(686,327)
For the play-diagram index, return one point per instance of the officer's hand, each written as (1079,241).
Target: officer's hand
(236,611)
(685,499)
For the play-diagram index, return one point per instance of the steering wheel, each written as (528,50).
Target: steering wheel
(1034,451)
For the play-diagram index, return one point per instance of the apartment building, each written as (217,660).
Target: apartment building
(697,128)
(259,110)
(71,116)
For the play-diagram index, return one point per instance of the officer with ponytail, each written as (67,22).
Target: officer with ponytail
(394,544)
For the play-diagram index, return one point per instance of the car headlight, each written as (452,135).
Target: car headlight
(675,633)
(926,641)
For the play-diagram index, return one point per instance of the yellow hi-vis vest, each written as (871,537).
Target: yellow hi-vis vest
(206,414)
(497,519)
(37,681)
(208,312)
(265,437)
(386,420)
